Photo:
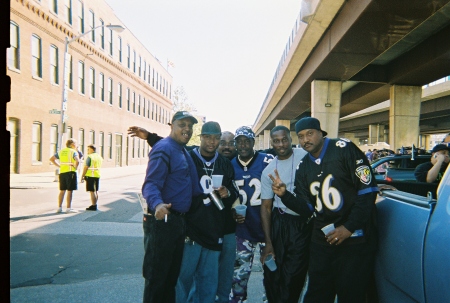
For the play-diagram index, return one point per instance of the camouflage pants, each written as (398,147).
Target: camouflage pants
(245,251)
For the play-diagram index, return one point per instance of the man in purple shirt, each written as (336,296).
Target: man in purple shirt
(170,183)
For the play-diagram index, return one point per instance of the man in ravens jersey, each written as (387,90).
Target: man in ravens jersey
(248,167)
(336,180)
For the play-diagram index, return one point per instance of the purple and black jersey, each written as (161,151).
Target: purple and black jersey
(248,179)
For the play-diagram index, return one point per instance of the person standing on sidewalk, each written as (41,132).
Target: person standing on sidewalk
(287,235)
(248,167)
(91,173)
(336,180)
(68,164)
(171,181)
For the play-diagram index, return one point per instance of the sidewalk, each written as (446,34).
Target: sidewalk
(49,180)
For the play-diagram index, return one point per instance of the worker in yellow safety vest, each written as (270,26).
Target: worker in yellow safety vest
(91,173)
(68,164)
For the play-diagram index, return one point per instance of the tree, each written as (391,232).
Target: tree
(181,103)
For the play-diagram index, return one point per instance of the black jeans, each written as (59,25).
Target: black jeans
(290,240)
(163,244)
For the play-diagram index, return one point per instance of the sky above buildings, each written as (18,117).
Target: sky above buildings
(225,52)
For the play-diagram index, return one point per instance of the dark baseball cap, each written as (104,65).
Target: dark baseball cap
(244,131)
(308,123)
(183,114)
(211,128)
(440,147)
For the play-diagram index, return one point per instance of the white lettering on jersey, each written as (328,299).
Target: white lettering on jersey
(360,161)
(206,183)
(341,143)
(332,198)
(255,199)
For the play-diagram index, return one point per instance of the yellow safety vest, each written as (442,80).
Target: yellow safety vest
(95,164)
(66,160)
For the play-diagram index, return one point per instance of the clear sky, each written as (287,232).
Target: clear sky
(225,52)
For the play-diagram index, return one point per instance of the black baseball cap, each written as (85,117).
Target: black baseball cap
(183,114)
(211,128)
(440,147)
(308,123)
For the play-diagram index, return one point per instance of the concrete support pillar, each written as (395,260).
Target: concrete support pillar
(326,105)
(286,123)
(294,138)
(352,137)
(256,146)
(266,144)
(376,133)
(404,114)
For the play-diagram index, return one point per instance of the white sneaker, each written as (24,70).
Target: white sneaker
(59,210)
(70,210)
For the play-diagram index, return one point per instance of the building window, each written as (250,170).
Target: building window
(69,11)
(13,50)
(138,150)
(133,147)
(54,6)
(109,146)
(102,34)
(91,137)
(69,133)
(81,77)
(110,42)
(81,140)
(153,111)
(148,109)
(53,139)
(102,87)
(110,91)
(149,73)
(143,107)
(134,61)
(36,149)
(81,17)
(120,49)
(128,99)
(119,94)
(92,82)
(92,25)
(128,56)
(134,102)
(36,53)
(101,142)
(70,73)
(54,68)
(139,105)
(144,72)
(139,68)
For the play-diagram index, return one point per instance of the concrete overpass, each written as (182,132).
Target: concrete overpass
(352,55)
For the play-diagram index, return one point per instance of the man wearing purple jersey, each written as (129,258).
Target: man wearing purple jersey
(248,167)
(335,178)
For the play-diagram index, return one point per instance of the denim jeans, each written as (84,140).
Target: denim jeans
(197,282)
(226,268)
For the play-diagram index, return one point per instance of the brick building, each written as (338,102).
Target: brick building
(113,82)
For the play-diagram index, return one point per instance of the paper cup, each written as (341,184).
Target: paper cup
(217,180)
(270,263)
(328,228)
(241,210)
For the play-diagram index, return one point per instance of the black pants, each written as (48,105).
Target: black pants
(290,240)
(343,270)
(163,244)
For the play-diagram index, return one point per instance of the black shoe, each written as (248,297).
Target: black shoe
(92,207)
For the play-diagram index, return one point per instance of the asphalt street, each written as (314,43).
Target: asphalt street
(83,256)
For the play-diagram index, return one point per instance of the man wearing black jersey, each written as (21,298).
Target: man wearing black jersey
(336,180)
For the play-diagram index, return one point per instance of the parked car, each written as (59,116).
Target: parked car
(398,167)
(413,257)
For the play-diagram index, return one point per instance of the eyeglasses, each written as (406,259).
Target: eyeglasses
(224,143)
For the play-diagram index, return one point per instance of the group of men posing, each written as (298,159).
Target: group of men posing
(311,208)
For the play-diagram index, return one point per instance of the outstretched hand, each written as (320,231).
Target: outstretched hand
(136,131)
(278,186)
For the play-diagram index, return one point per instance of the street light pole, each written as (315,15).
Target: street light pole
(63,117)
